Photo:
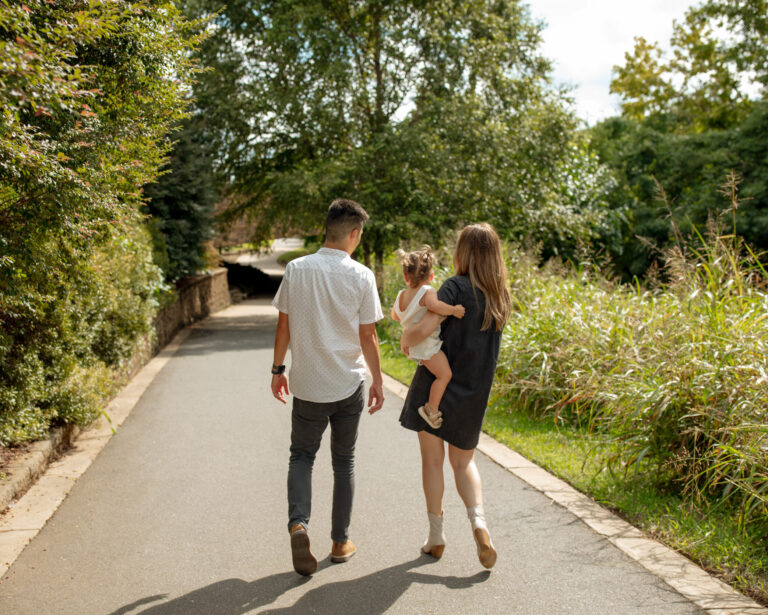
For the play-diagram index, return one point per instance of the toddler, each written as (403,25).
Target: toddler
(410,306)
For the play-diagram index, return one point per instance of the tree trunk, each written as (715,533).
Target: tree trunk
(379,270)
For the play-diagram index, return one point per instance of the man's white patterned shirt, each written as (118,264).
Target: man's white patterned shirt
(327,296)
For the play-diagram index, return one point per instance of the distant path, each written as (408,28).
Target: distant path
(267,262)
(184,513)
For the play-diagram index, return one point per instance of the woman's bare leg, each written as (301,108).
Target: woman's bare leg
(470,489)
(440,368)
(432,459)
(468,482)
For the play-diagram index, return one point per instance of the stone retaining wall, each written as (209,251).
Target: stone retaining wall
(198,296)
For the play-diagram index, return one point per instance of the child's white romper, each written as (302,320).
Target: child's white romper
(410,316)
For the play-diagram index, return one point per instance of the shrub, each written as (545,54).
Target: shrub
(89,90)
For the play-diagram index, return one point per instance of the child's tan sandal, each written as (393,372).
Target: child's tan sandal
(434,418)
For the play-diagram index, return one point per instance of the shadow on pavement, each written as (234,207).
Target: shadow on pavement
(372,594)
(230,334)
(229,597)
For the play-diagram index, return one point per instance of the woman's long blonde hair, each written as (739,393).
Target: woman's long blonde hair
(479,256)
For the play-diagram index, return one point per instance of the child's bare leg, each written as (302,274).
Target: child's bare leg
(440,368)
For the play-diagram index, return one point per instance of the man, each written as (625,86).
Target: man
(328,307)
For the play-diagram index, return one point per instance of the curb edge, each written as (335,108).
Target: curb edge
(688,579)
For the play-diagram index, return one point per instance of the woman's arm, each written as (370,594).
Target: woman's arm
(433,304)
(419,332)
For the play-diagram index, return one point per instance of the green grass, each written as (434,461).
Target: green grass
(241,247)
(395,364)
(709,535)
(287,257)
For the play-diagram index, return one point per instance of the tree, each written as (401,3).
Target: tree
(88,92)
(718,67)
(687,122)
(180,203)
(430,114)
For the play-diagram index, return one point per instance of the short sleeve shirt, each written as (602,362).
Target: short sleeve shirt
(327,296)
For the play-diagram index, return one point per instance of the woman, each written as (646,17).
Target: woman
(472,347)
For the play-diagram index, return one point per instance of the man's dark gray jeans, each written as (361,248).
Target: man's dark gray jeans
(309,420)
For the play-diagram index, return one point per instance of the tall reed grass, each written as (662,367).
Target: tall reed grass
(671,374)
(674,376)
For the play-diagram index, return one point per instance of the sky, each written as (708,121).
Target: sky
(585,39)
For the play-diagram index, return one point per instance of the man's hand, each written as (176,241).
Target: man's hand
(282,338)
(375,397)
(369,343)
(280,387)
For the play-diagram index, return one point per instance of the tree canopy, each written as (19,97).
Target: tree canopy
(717,69)
(688,121)
(430,114)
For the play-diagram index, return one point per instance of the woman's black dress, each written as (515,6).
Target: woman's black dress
(472,354)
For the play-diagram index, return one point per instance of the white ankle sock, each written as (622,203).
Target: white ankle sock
(476,516)
(436,535)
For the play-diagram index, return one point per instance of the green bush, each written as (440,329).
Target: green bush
(88,91)
(287,257)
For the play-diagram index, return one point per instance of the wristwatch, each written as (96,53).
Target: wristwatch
(277,369)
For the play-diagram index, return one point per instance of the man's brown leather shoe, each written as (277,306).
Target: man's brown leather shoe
(342,551)
(303,561)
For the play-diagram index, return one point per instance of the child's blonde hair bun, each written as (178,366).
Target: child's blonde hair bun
(417,265)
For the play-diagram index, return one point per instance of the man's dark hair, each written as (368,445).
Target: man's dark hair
(343,216)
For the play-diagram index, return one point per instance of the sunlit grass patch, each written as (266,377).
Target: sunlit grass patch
(287,257)
(707,533)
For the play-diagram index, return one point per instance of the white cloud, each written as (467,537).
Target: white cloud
(586,39)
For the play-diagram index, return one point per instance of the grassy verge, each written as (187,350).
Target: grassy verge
(395,364)
(706,533)
(287,257)
(243,247)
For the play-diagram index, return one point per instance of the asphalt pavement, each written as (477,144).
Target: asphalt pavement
(184,513)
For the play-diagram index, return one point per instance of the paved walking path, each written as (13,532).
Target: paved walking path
(184,512)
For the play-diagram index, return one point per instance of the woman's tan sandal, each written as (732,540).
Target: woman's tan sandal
(435,544)
(434,418)
(435,551)
(485,551)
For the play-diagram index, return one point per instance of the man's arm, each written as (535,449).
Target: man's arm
(369,342)
(282,338)
(433,304)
